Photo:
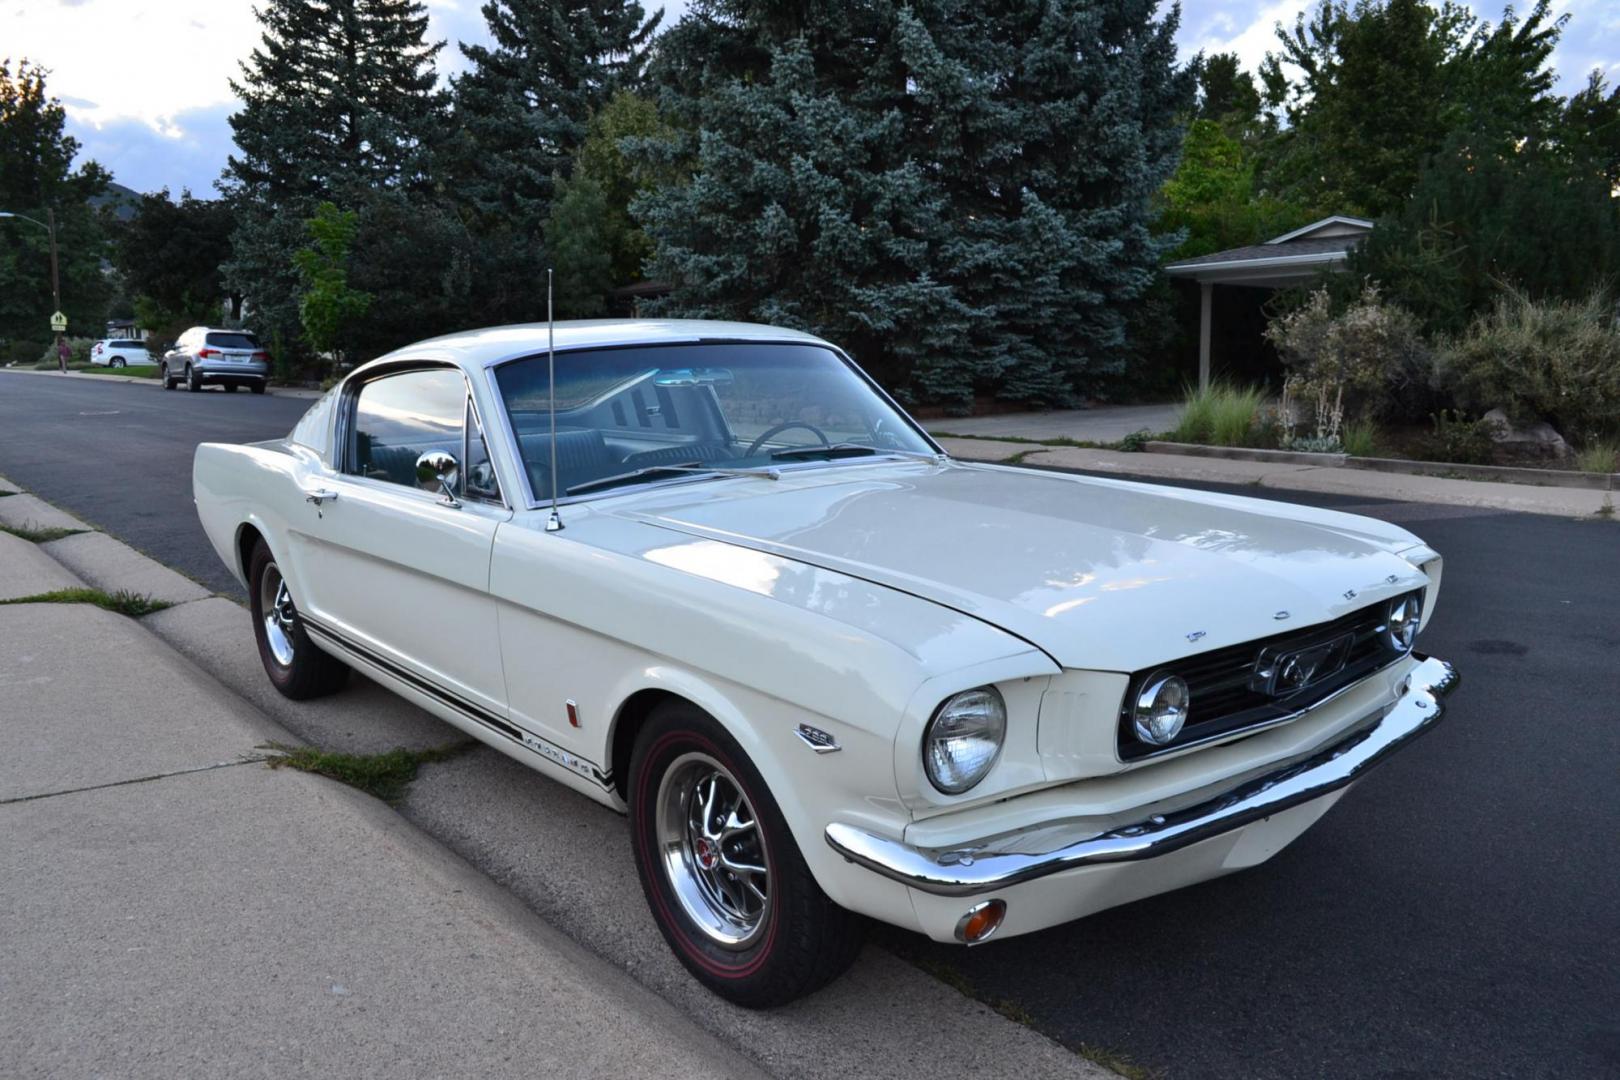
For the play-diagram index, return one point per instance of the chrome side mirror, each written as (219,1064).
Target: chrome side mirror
(438,470)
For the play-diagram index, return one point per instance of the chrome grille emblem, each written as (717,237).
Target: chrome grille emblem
(1283,671)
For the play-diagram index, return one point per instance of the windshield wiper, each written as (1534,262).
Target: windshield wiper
(674,470)
(849,449)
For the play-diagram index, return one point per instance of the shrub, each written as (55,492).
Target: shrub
(1550,360)
(1220,415)
(1360,438)
(1367,360)
(1598,457)
(23,352)
(1461,440)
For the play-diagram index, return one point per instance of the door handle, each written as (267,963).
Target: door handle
(320,495)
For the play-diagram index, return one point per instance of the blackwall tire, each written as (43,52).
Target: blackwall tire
(295,666)
(761,937)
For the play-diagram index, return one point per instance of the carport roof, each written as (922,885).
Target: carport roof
(1284,260)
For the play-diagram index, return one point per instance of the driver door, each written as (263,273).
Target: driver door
(396,571)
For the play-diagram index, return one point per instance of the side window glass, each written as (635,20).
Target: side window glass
(479,473)
(398,418)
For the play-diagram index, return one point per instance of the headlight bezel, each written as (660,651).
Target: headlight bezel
(1155,686)
(1400,634)
(958,705)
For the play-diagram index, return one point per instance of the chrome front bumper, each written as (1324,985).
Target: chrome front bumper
(1002,861)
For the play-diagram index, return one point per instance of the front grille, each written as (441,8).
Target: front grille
(1223,701)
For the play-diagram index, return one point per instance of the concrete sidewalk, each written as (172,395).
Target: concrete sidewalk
(1523,498)
(171,906)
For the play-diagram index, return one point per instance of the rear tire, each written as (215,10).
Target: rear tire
(117,361)
(295,666)
(758,937)
(193,380)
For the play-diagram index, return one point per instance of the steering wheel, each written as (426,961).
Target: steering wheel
(753,448)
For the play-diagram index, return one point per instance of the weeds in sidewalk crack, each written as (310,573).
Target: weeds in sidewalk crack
(384,775)
(39,534)
(122,602)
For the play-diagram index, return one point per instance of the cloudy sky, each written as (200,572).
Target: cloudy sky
(145,82)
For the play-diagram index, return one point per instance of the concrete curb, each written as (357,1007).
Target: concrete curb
(1445,470)
(28,511)
(137,380)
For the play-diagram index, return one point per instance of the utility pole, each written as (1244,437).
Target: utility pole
(56,286)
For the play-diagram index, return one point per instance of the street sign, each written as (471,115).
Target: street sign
(58,322)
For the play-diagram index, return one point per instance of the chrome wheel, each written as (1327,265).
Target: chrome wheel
(279,615)
(713,851)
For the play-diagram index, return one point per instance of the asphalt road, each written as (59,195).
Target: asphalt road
(118,455)
(1455,915)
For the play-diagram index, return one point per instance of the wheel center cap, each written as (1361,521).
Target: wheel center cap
(706,854)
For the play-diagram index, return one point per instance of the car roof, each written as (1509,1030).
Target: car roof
(475,349)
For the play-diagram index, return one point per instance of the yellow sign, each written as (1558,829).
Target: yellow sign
(58,322)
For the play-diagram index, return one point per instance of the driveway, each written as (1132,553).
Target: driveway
(1453,916)
(1104,424)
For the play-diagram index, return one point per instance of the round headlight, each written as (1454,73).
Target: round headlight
(1404,614)
(1161,708)
(964,739)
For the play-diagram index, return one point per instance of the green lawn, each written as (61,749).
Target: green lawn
(139,371)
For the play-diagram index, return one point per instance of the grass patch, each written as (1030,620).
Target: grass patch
(123,602)
(1598,457)
(384,775)
(139,371)
(1116,1062)
(1220,415)
(1360,439)
(38,534)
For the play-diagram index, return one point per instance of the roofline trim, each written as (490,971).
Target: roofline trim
(1336,219)
(1319,257)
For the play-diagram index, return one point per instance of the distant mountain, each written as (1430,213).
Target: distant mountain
(124,202)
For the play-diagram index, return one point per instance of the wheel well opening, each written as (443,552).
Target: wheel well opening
(626,726)
(247,537)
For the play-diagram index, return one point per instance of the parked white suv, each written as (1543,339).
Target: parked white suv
(119,352)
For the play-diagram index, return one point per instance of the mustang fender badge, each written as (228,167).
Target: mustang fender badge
(817,740)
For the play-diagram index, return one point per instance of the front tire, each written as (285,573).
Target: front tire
(257,388)
(163,373)
(230,388)
(724,879)
(296,667)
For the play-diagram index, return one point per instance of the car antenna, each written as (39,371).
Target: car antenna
(554,523)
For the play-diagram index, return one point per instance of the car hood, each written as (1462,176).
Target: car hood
(1100,574)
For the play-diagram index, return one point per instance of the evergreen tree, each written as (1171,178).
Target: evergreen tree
(38,177)
(522,113)
(1477,222)
(1590,131)
(338,103)
(960,194)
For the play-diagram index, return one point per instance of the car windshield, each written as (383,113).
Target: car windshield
(638,415)
(233,341)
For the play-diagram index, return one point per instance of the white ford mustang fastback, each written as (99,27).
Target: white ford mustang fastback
(826,670)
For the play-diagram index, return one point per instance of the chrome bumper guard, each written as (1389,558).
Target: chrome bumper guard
(1003,861)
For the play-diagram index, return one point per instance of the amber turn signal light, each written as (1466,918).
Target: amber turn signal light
(980,921)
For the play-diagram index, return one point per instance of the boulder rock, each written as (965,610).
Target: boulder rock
(1538,440)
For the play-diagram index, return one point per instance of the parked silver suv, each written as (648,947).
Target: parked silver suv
(228,358)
